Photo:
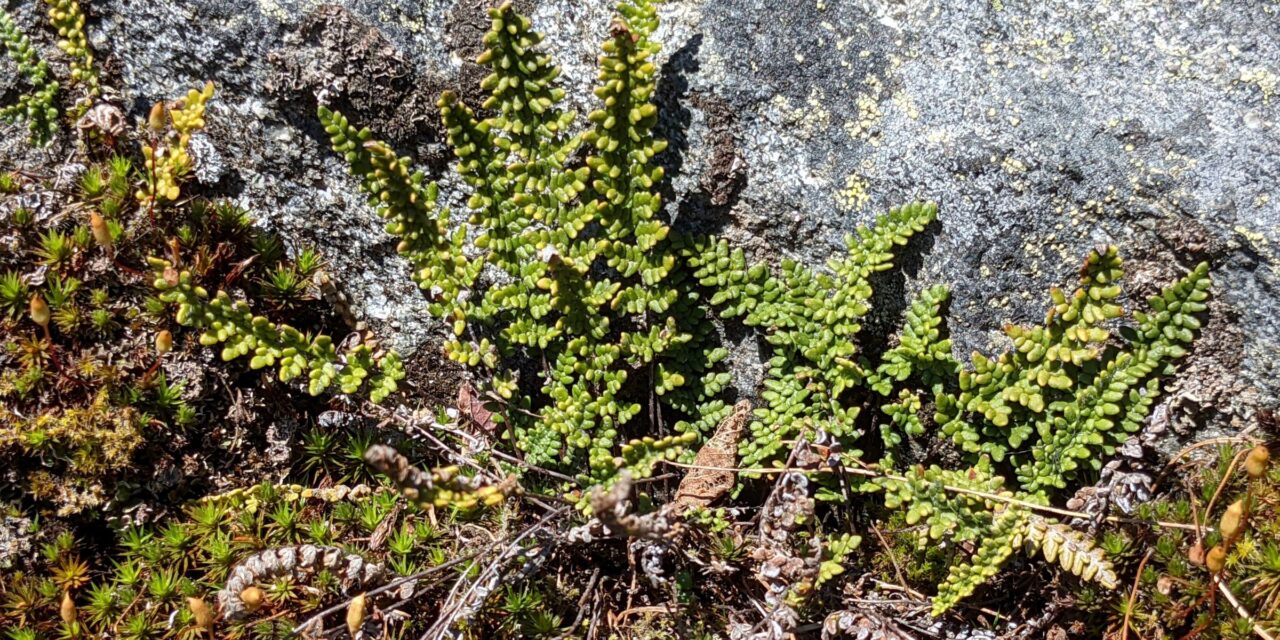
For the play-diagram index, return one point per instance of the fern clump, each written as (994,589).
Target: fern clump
(1057,404)
(811,319)
(1063,390)
(1054,406)
(572,270)
(38,106)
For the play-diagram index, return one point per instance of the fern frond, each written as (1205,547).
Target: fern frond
(925,495)
(409,206)
(231,323)
(38,107)
(921,349)
(904,419)
(521,82)
(639,457)
(1117,400)
(1000,541)
(68,20)
(1060,391)
(1074,552)
(834,551)
(811,319)
(443,487)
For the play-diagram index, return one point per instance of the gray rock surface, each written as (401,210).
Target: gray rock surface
(1041,128)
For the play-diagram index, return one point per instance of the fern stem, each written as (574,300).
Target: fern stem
(869,473)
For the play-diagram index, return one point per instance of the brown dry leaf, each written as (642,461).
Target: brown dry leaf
(471,407)
(701,487)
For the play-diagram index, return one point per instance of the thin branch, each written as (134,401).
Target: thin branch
(532,467)
(1240,610)
(1243,435)
(1222,483)
(868,473)
(341,606)
(1133,595)
(897,569)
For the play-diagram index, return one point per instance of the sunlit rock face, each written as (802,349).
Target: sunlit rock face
(1040,130)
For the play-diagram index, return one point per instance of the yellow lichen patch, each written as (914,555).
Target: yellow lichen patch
(818,114)
(854,196)
(1254,237)
(1266,81)
(1013,166)
(907,104)
(808,119)
(869,114)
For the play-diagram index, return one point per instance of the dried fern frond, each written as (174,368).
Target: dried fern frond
(1074,551)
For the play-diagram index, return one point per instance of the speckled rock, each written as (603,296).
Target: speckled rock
(1041,128)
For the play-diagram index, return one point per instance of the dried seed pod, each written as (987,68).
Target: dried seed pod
(253,597)
(355,614)
(40,311)
(68,608)
(201,612)
(1233,521)
(164,342)
(1196,554)
(155,119)
(1216,559)
(101,233)
(1255,464)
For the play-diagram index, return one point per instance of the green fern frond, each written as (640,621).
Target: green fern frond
(409,207)
(834,553)
(230,323)
(1061,391)
(921,349)
(811,319)
(68,20)
(38,107)
(928,496)
(1001,540)
(639,457)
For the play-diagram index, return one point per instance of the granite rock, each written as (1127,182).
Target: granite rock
(1042,129)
